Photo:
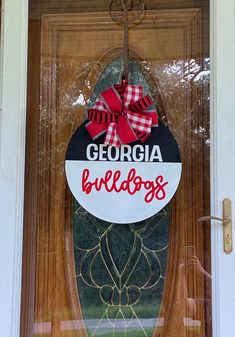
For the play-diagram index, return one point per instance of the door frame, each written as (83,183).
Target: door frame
(13,85)
(222,48)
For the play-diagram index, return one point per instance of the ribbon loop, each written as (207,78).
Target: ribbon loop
(123,114)
(103,117)
(141,104)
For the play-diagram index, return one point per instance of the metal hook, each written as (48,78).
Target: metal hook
(126,12)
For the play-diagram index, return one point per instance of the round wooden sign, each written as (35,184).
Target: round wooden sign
(123,184)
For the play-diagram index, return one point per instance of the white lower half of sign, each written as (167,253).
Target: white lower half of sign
(122,192)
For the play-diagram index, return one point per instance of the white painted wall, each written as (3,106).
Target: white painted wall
(12,139)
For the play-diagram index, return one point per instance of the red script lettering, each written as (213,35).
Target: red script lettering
(111,182)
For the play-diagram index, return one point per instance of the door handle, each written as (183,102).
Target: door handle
(227,224)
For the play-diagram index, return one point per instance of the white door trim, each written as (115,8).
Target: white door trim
(12,153)
(223,160)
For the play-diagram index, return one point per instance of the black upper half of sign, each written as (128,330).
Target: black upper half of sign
(160,135)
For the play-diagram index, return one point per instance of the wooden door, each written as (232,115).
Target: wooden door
(69,47)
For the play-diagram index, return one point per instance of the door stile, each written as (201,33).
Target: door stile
(223,160)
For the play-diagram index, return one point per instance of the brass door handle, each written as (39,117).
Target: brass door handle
(227,224)
(206,218)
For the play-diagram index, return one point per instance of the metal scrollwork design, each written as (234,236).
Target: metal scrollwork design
(129,11)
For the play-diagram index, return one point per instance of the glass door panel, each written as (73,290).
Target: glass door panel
(74,261)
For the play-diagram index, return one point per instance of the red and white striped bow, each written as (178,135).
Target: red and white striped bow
(122,113)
